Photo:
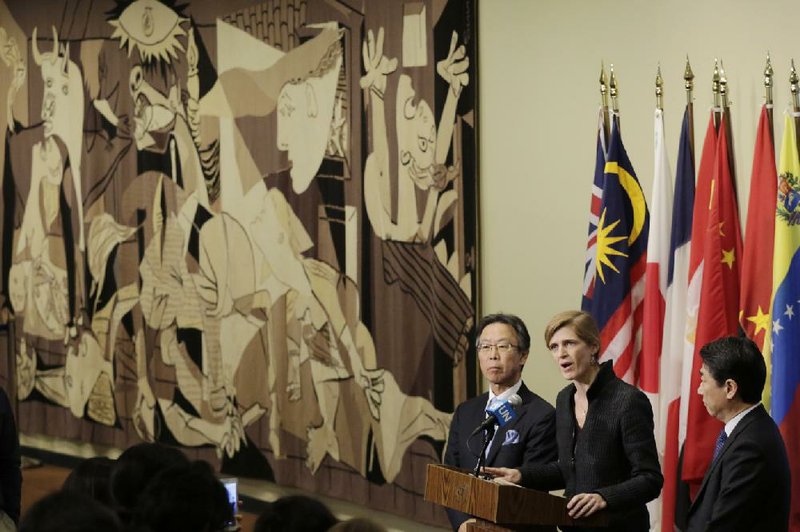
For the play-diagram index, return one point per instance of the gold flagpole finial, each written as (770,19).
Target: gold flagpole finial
(659,89)
(768,80)
(688,80)
(612,84)
(793,87)
(715,83)
(604,102)
(603,86)
(723,86)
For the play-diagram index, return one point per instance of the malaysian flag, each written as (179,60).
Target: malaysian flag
(621,252)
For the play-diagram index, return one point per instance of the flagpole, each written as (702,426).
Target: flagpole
(604,103)
(612,85)
(715,91)
(659,89)
(768,95)
(688,78)
(726,109)
(793,81)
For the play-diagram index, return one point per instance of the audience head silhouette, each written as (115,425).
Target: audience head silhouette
(69,511)
(91,477)
(134,468)
(295,513)
(184,498)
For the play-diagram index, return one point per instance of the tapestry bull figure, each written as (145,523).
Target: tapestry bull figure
(62,110)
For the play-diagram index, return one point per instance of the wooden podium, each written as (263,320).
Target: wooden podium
(499,507)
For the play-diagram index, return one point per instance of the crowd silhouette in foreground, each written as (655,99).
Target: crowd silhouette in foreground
(156,488)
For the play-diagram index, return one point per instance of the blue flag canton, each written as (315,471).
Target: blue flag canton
(594,217)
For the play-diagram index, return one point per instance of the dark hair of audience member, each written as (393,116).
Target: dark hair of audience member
(357,524)
(295,513)
(134,468)
(184,498)
(91,477)
(69,511)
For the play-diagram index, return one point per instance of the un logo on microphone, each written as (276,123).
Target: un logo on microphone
(505,413)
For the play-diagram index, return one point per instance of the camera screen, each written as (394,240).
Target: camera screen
(230,487)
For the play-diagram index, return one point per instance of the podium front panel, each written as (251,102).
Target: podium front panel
(500,504)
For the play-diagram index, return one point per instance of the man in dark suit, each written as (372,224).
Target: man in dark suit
(503,344)
(746,487)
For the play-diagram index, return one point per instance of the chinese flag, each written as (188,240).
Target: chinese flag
(758,238)
(719,304)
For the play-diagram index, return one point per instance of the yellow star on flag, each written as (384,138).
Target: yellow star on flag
(760,320)
(604,246)
(728,257)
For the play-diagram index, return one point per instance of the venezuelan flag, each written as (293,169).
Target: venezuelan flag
(785,405)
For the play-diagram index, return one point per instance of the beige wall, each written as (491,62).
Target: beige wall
(539,66)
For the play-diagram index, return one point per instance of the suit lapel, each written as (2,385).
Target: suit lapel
(731,441)
(473,418)
(477,414)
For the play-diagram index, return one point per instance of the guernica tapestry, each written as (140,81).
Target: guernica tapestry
(244,228)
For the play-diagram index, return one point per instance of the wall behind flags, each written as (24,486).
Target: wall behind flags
(540,66)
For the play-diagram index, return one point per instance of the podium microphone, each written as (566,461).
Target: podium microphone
(501,413)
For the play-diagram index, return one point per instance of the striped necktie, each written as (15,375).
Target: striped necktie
(720,443)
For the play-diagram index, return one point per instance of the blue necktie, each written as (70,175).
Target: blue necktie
(720,442)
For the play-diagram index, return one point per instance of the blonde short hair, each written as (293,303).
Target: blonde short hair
(581,322)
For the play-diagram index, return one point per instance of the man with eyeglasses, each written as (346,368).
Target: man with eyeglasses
(502,345)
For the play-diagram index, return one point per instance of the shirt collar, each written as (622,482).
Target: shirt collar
(506,394)
(731,424)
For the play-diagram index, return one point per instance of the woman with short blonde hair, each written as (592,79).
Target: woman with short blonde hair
(581,322)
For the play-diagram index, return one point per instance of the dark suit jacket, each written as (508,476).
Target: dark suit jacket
(614,454)
(747,487)
(529,439)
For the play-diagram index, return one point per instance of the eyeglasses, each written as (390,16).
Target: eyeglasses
(503,348)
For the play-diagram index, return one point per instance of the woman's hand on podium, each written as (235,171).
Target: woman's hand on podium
(585,504)
(504,475)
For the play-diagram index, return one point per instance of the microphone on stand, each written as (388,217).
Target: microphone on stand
(499,413)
